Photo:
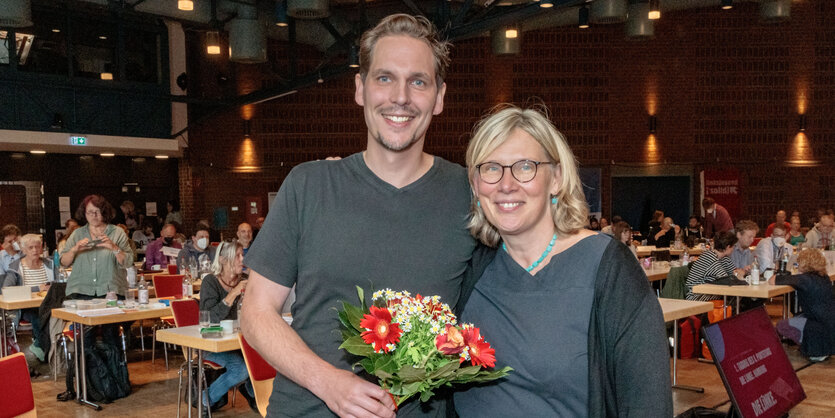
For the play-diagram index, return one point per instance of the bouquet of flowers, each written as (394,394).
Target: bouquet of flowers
(414,344)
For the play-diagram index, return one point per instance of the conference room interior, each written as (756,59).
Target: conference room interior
(706,100)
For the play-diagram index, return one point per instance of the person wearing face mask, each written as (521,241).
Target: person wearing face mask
(11,247)
(197,249)
(770,250)
(717,218)
(154,255)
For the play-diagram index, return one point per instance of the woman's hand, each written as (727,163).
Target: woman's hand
(107,243)
(81,245)
(239,288)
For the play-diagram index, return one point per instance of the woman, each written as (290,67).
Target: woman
(594,225)
(99,255)
(577,322)
(713,264)
(623,233)
(655,222)
(219,294)
(173,216)
(814,329)
(662,235)
(70,226)
(795,236)
(694,229)
(32,270)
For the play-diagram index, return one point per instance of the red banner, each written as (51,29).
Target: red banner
(723,187)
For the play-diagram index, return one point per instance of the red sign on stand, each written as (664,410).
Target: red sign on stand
(754,367)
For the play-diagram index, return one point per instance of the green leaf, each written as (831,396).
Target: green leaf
(343,319)
(348,333)
(353,314)
(410,374)
(426,395)
(356,346)
(386,363)
(445,371)
(361,294)
(367,364)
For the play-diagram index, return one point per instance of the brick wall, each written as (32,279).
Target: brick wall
(727,89)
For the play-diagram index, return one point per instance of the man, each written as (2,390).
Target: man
(154,255)
(717,218)
(821,235)
(779,219)
(770,250)
(197,249)
(373,219)
(259,223)
(11,247)
(245,235)
(741,257)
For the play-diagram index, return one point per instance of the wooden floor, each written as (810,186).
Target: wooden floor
(155,389)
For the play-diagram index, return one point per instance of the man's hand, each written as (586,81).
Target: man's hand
(350,396)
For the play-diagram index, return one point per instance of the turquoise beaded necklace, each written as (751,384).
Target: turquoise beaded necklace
(542,257)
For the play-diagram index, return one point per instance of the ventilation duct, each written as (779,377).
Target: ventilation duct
(775,10)
(15,13)
(605,12)
(638,23)
(308,9)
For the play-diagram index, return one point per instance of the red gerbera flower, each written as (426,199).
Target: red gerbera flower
(380,330)
(481,354)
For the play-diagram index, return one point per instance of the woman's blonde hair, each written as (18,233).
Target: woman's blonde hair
(225,255)
(571,211)
(812,261)
(28,238)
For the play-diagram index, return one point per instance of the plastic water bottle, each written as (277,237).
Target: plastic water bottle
(784,262)
(240,308)
(755,272)
(188,288)
(685,257)
(143,291)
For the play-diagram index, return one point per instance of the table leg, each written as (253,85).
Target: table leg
(3,341)
(75,359)
(83,373)
(200,384)
(724,304)
(675,368)
(190,363)
(737,304)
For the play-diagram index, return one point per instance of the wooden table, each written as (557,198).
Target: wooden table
(673,310)
(762,290)
(657,273)
(71,315)
(190,338)
(5,305)
(691,251)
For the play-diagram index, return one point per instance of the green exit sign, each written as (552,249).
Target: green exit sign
(78,140)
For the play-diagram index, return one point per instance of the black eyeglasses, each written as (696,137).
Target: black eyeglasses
(523,171)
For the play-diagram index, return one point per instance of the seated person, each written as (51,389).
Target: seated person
(70,226)
(741,256)
(814,329)
(623,232)
(608,229)
(32,270)
(821,235)
(663,235)
(219,295)
(712,265)
(143,237)
(693,229)
(795,235)
(770,250)
(197,250)
(154,255)
(11,247)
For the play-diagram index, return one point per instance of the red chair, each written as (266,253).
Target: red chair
(261,374)
(16,397)
(165,286)
(187,313)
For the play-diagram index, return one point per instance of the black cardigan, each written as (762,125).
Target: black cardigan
(817,300)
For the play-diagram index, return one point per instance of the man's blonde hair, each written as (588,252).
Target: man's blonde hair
(417,27)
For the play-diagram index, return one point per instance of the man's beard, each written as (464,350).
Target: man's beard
(393,146)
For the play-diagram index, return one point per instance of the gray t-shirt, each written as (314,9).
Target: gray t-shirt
(335,225)
(539,326)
